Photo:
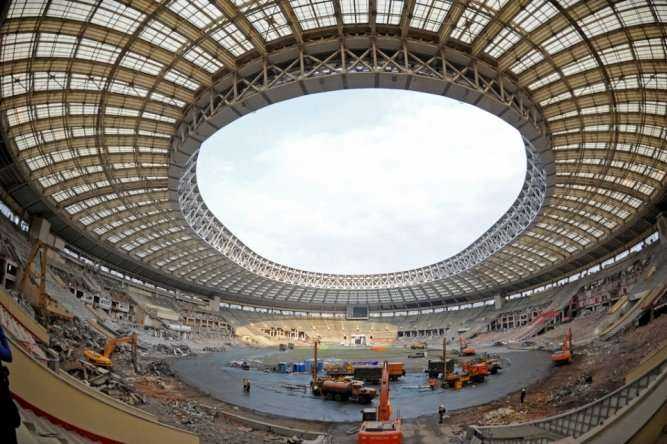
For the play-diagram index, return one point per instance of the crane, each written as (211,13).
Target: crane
(104,359)
(378,426)
(565,355)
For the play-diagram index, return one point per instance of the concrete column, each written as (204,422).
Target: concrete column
(662,226)
(214,304)
(499,301)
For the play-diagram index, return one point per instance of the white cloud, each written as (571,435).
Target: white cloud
(350,195)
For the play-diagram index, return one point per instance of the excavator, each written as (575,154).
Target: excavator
(378,427)
(565,355)
(464,348)
(104,359)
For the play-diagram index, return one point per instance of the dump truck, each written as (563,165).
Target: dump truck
(351,390)
(396,370)
(370,374)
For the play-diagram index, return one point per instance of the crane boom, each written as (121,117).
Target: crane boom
(384,404)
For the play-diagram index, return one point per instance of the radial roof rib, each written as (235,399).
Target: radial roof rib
(108,36)
(194,34)
(406,17)
(294,24)
(451,19)
(372,16)
(499,21)
(241,21)
(542,33)
(339,17)
(617,38)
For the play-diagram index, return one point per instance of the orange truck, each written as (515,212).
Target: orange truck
(396,370)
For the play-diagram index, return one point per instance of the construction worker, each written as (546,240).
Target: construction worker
(442,411)
(11,419)
(523,395)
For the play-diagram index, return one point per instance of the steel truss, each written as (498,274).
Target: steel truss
(350,63)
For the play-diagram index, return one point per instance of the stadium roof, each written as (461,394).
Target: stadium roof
(105,104)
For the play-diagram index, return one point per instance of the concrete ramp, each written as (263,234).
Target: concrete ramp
(627,318)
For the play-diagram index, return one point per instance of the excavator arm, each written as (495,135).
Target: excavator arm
(384,404)
(104,359)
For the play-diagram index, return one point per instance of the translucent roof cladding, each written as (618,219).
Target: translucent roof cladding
(94,91)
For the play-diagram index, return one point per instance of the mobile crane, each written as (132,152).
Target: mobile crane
(378,425)
(565,355)
(104,359)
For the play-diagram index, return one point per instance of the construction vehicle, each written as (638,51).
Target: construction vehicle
(464,348)
(340,390)
(33,284)
(104,359)
(419,345)
(371,374)
(492,362)
(476,371)
(336,370)
(346,390)
(282,347)
(378,426)
(396,370)
(565,355)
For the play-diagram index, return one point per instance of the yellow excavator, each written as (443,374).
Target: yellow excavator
(104,359)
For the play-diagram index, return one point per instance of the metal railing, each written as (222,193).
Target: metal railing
(570,424)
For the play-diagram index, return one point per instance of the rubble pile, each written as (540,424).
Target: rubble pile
(173,349)
(503,415)
(159,368)
(68,337)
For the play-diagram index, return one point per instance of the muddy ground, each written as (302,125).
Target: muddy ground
(598,369)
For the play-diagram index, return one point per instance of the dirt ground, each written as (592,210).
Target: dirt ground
(598,368)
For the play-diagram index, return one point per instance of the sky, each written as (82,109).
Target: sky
(362,181)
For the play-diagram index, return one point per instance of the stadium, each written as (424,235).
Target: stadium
(131,313)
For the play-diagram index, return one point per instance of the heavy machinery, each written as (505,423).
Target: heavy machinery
(492,362)
(464,348)
(565,355)
(338,389)
(419,345)
(477,371)
(378,426)
(372,374)
(346,390)
(104,359)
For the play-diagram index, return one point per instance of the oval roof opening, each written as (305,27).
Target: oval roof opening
(362,181)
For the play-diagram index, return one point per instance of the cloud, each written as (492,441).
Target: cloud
(352,190)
